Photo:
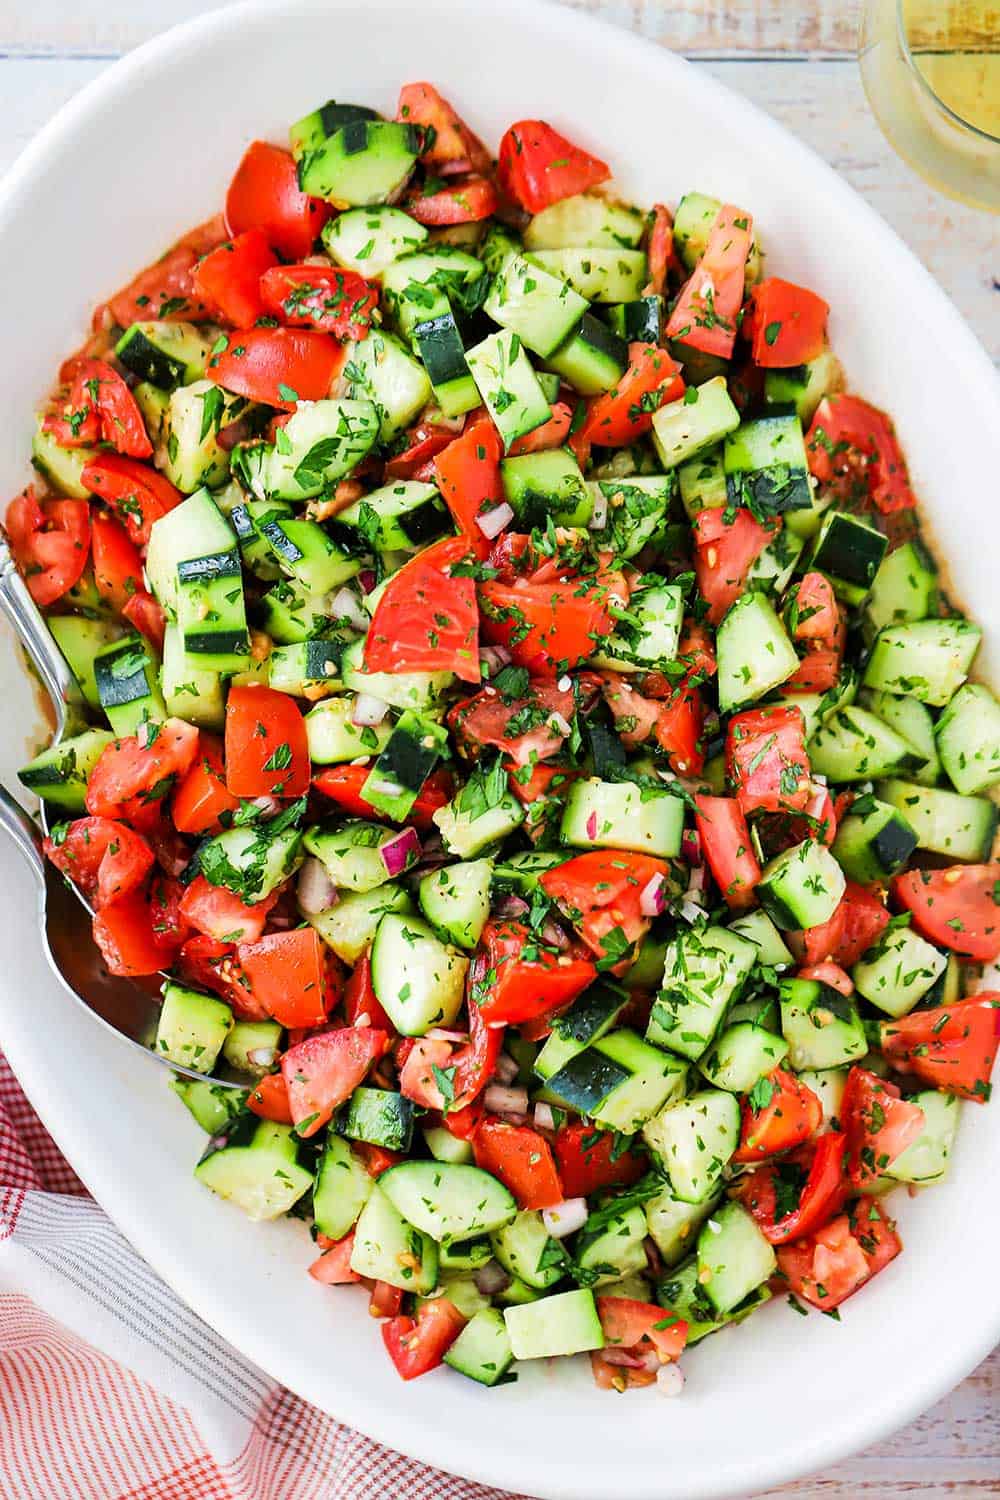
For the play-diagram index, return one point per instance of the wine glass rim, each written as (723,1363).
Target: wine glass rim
(959,120)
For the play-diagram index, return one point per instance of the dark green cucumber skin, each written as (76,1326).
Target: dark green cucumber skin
(115,691)
(773,490)
(405,760)
(598,336)
(143,359)
(639,321)
(441,349)
(587,1080)
(590,1012)
(385,1121)
(850,552)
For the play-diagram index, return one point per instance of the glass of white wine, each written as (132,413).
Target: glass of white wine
(931,70)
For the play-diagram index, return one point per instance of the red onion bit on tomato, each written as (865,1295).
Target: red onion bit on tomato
(565,1218)
(652,897)
(492,659)
(544,1118)
(368,710)
(315,890)
(400,852)
(494,521)
(500,1100)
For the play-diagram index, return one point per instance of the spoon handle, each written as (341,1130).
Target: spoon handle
(23,616)
(23,831)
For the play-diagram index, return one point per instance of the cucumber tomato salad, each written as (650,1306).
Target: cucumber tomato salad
(527,728)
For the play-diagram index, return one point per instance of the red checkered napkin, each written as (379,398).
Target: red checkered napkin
(111,1389)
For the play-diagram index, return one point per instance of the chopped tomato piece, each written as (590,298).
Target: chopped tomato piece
(208,964)
(323,1071)
(853,440)
(425,442)
(468,474)
(269,1099)
(627,1322)
(813,613)
(726,545)
(624,413)
(375,1159)
(879,1125)
(827,1266)
(134,773)
(343,785)
(135,491)
(590,1159)
(278,366)
(548,619)
(333,1267)
(539,720)
(125,931)
(419,1344)
(789,324)
(660,251)
(603,892)
(145,615)
(766,760)
(678,730)
(830,974)
(551,434)
(952,1047)
(460,202)
(779,1113)
(450,147)
(425,1061)
(50,540)
(385,1300)
(725,840)
(817,672)
(361,1004)
(427,619)
(536,166)
(99,408)
(104,858)
(229,278)
(521,1158)
(265,194)
(515,977)
(957,908)
(705,314)
(165,290)
(324,297)
(117,564)
(857,923)
(202,797)
(800,1192)
(267,753)
(220,914)
(286,974)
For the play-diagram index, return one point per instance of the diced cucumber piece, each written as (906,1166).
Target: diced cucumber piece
(550,484)
(741,1055)
(352,854)
(527,1251)
(383,371)
(765,465)
(522,871)
(195,528)
(531,302)
(804,386)
(754,652)
(734,1258)
(189,692)
(621,815)
(127,679)
(418,980)
(585,221)
(387,1248)
(381,1117)
(650,635)
(416,690)
(250,860)
(400,517)
(365,162)
(367,240)
(612,1243)
(636,511)
(252,1046)
(913,722)
(591,1016)
(342,1189)
(591,358)
(968,739)
(703,973)
(849,552)
(60,774)
(566,1323)
(320,443)
(508,385)
(191,1027)
(596,273)
(468,827)
(349,927)
(619,1081)
(482,1350)
(855,745)
(456,901)
(761,931)
(80,640)
(212,1105)
(640,320)
(320,124)
(448,1202)
(260,1166)
(164,354)
(925,659)
(672,1224)
(899,971)
(703,482)
(828,1084)
(802,886)
(687,428)
(62,467)
(905,588)
(446,1147)
(821,1026)
(211,612)
(693,1140)
(307,553)
(926,1158)
(873,841)
(188,449)
(944,822)
(333,736)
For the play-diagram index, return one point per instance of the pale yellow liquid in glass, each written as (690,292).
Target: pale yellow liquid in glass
(931,69)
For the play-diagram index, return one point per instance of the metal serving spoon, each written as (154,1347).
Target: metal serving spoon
(128,1006)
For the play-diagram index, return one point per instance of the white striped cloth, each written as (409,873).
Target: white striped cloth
(111,1389)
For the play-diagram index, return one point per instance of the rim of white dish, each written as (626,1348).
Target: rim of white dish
(884,1410)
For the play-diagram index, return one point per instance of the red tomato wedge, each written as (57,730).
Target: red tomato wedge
(133,772)
(50,540)
(286,975)
(323,1071)
(450,147)
(952,1047)
(957,908)
(425,442)
(879,1125)
(202,797)
(468,475)
(326,298)
(100,407)
(779,1113)
(417,1345)
(624,413)
(267,753)
(602,893)
(220,914)
(278,366)
(487,719)
(551,434)
(229,278)
(549,620)
(727,543)
(104,858)
(333,1267)
(788,324)
(590,1159)
(521,1158)
(265,194)
(344,785)
(706,312)
(857,923)
(827,1266)
(627,1323)
(165,290)
(269,1099)
(660,251)
(117,564)
(849,439)
(385,1300)
(361,1004)
(725,840)
(426,619)
(813,613)
(135,491)
(515,978)
(536,166)
(766,760)
(125,930)
(461,202)
(798,1193)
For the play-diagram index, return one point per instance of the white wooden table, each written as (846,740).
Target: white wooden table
(796,59)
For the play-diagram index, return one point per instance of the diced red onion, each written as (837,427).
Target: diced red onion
(234,432)
(691,911)
(553,935)
(501,1100)
(691,846)
(495,520)
(363,1020)
(491,1278)
(544,1118)
(492,659)
(624,1359)
(315,890)
(368,710)
(506,1069)
(512,906)
(592,826)
(696,881)
(566,1217)
(559,724)
(347,606)
(367,579)
(652,899)
(599,514)
(269,806)
(400,852)
(262,1057)
(444,1034)
(817,777)
(670,1380)
(564,684)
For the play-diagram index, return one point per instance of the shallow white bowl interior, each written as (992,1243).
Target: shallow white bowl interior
(143,154)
